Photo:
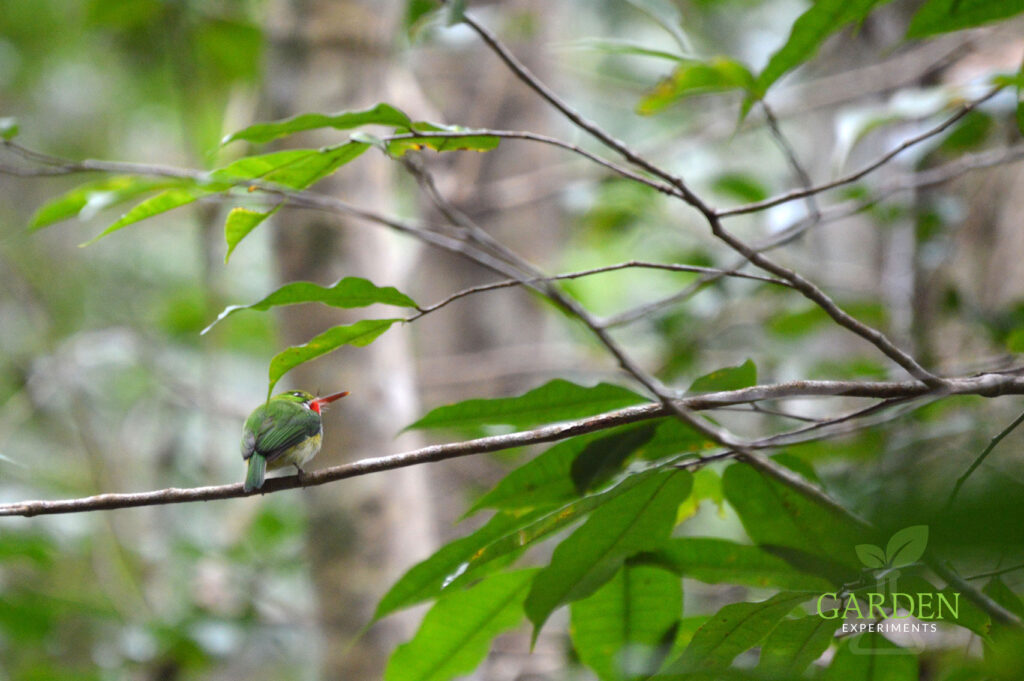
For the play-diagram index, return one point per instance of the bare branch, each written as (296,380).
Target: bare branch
(981,457)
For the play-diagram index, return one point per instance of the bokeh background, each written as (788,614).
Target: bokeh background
(106,384)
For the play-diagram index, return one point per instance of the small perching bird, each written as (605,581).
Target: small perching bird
(285,430)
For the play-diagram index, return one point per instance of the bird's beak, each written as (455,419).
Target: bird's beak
(327,399)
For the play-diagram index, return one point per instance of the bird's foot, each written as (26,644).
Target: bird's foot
(300,474)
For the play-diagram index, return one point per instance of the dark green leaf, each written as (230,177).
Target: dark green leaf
(824,18)
(778,516)
(617,631)
(95,196)
(729,378)
(740,186)
(997,590)
(382,114)
(638,520)
(906,546)
(732,630)
(347,293)
(360,334)
(465,141)
(718,561)
(456,633)
(674,437)
(871,657)
(942,16)
(240,222)
(602,458)
(558,400)
(695,78)
(8,128)
(795,644)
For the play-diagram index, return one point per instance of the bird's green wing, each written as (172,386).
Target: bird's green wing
(276,427)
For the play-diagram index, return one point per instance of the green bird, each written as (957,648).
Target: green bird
(286,430)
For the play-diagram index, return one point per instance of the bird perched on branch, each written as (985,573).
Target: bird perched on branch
(286,430)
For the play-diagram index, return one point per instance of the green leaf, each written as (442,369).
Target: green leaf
(778,516)
(729,378)
(639,520)
(456,11)
(240,222)
(456,633)
(906,546)
(794,644)
(624,47)
(692,77)
(618,629)
(544,481)
(719,561)
(732,630)
(293,168)
(557,400)
(743,187)
(95,196)
(997,590)
(602,458)
(809,31)
(423,140)
(8,127)
(382,114)
(942,16)
(161,203)
(347,293)
(707,486)
(674,437)
(871,657)
(360,334)
(872,556)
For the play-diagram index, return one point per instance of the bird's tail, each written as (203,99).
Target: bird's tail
(257,469)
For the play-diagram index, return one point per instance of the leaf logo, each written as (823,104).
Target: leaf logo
(905,547)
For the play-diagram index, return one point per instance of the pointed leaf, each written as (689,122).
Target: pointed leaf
(906,546)
(456,633)
(942,16)
(618,629)
(161,203)
(639,520)
(294,168)
(780,517)
(728,378)
(382,114)
(92,197)
(718,561)
(360,334)
(347,293)
(794,644)
(240,222)
(558,400)
(871,657)
(872,556)
(810,30)
(733,630)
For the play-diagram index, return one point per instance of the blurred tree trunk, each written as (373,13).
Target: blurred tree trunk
(331,55)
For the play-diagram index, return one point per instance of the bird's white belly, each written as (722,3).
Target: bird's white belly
(300,453)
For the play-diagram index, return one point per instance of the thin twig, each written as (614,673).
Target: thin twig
(981,457)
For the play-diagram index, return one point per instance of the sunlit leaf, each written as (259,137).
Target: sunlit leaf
(456,633)
(88,199)
(349,292)
(639,520)
(557,400)
(618,630)
(166,200)
(423,140)
(382,114)
(942,16)
(695,78)
(794,644)
(8,128)
(733,630)
(729,378)
(359,334)
(240,222)
(293,168)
